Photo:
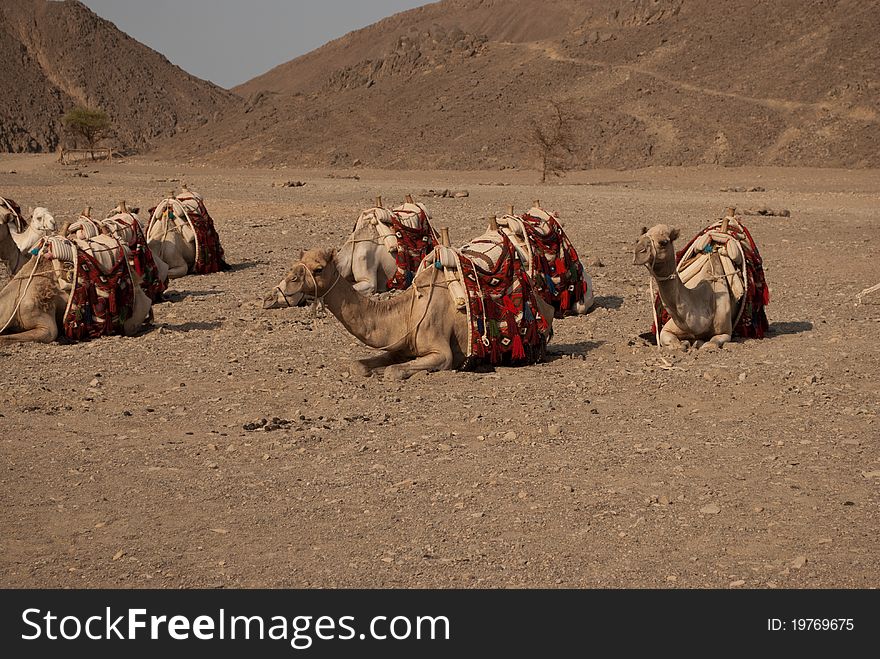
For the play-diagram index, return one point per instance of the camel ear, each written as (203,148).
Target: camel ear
(332,253)
(300,257)
(673,235)
(644,230)
(30,211)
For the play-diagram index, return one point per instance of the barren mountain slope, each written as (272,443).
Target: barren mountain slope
(54,55)
(665,82)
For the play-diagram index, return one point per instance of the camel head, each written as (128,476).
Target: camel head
(42,221)
(655,245)
(312,276)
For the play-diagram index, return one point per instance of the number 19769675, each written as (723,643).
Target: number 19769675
(810,624)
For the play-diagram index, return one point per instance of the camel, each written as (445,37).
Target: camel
(17,237)
(172,235)
(419,330)
(541,265)
(100,238)
(702,312)
(35,301)
(125,226)
(368,257)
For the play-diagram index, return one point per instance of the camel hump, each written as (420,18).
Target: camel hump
(486,251)
(86,225)
(411,214)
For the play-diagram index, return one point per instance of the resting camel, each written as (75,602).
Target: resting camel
(182,233)
(701,312)
(34,303)
(18,238)
(419,330)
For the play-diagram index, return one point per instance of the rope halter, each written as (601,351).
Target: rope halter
(316,299)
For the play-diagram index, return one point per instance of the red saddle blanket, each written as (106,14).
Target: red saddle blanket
(209,252)
(99,303)
(505,321)
(413,244)
(753,320)
(556,260)
(143,263)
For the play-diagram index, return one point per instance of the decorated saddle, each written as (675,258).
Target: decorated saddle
(743,273)
(127,228)
(407,233)
(553,262)
(488,281)
(100,285)
(187,213)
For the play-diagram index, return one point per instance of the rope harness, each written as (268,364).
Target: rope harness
(319,301)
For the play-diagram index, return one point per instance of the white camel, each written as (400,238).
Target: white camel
(17,238)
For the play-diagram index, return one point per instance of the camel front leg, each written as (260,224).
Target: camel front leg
(167,253)
(670,337)
(433,361)
(365,367)
(44,332)
(177,270)
(716,342)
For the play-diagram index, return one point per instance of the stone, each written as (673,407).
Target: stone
(711,509)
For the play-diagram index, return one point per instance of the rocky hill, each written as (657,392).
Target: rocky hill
(55,55)
(653,82)
(457,84)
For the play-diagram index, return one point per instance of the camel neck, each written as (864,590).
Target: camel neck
(673,292)
(27,239)
(376,323)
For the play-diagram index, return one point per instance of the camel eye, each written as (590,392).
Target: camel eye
(318,271)
(664,243)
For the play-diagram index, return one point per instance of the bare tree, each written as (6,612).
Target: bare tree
(552,137)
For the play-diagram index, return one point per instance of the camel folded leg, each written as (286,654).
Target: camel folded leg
(716,342)
(670,337)
(433,361)
(365,287)
(365,367)
(39,334)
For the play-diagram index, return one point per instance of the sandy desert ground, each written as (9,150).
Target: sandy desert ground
(126,463)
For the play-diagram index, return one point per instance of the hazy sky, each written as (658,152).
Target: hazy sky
(231,41)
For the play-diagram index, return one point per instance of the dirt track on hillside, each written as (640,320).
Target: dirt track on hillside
(125,462)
